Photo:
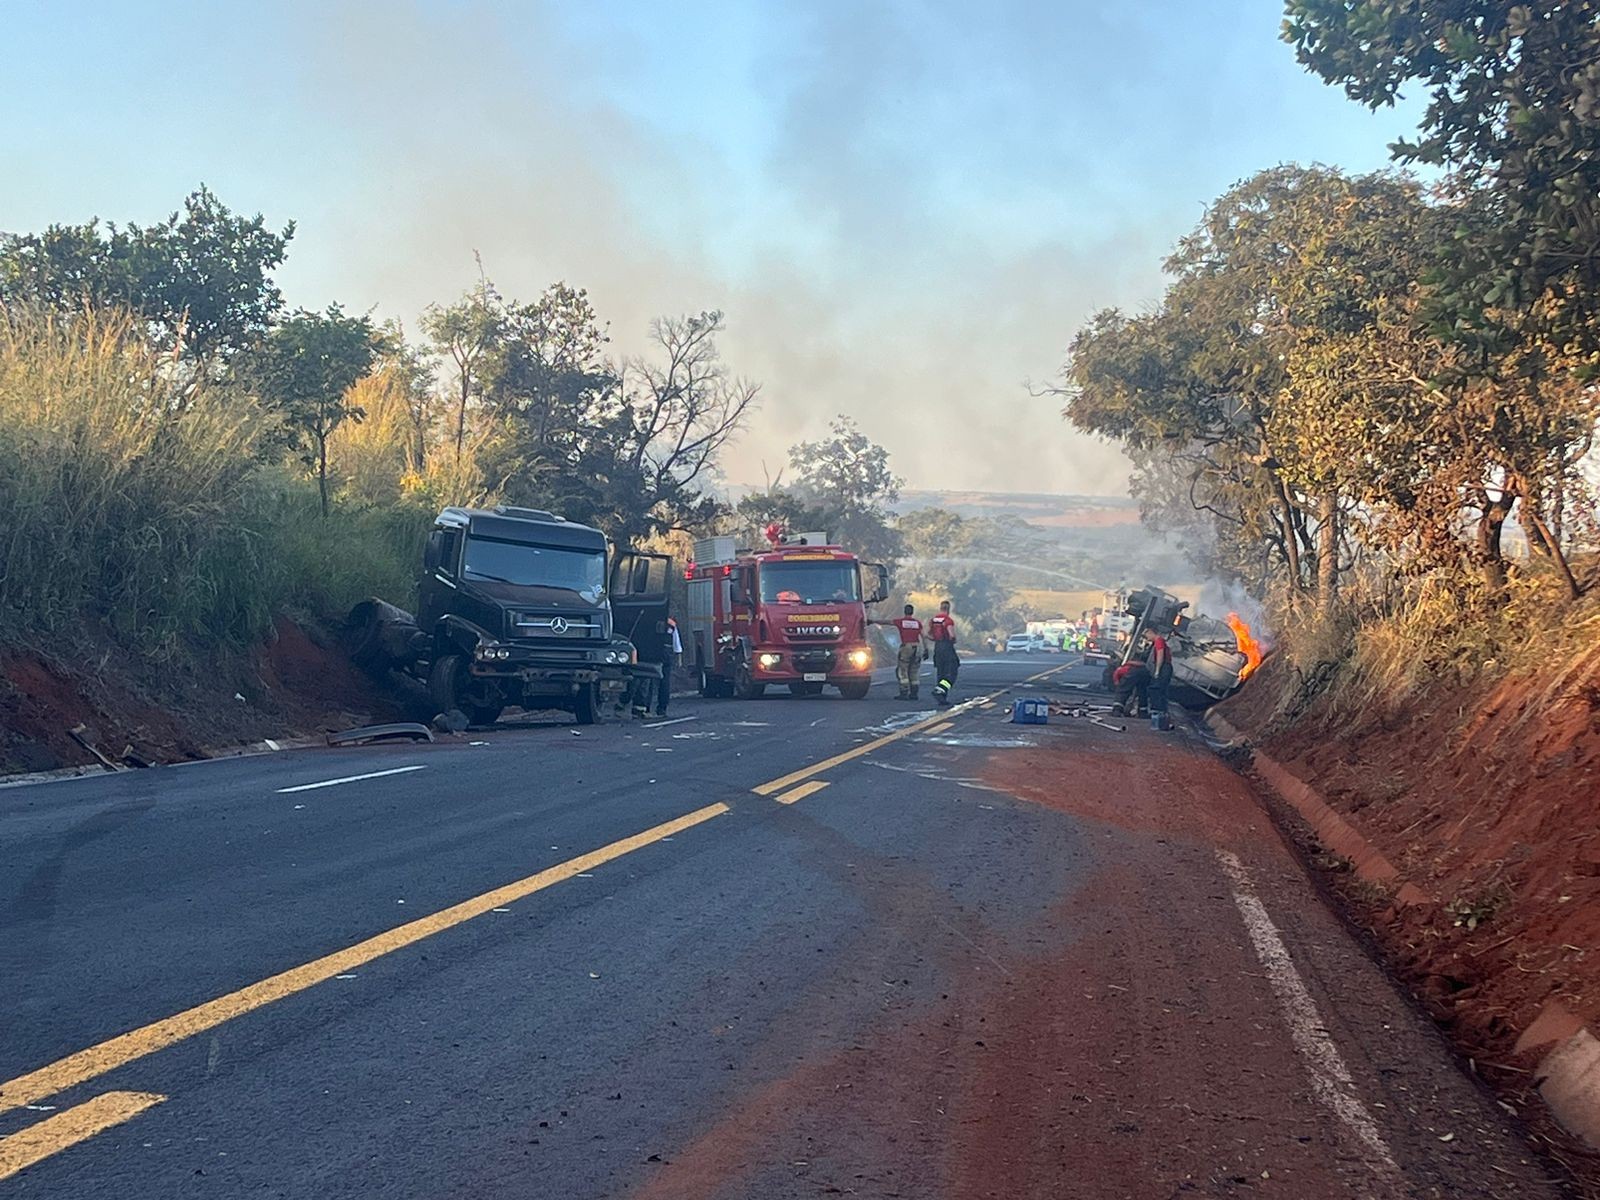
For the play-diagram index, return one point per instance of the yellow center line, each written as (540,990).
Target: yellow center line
(940,728)
(804,773)
(79,1124)
(136,1043)
(801,792)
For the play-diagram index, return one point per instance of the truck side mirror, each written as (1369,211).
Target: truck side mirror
(880,588)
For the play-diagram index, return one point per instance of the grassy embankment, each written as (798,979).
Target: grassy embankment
(157,510)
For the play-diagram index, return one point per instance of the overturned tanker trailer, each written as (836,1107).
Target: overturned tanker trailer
(1207,662)
(519,607)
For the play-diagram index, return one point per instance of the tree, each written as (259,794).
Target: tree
(465,332)
(1515,111)
(687,407)
(306,368)
(201,278)
(626,446)
(844,482)
(847,468)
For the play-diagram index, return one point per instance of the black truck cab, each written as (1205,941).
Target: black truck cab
(516,606)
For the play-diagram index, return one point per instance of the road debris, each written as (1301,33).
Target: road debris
(81,735)
(398,731)
(454,721)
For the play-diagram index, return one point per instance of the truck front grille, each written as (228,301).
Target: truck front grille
(547,625)
(814,660)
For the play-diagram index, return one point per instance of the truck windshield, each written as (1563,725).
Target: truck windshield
(810,582)
(580,571)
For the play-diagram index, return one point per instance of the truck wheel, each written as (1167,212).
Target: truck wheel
(586,705)
(856,689)
(708,684)
(450,685)
(746,688)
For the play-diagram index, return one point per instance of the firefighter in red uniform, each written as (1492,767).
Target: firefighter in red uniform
(908,663)
(942,633)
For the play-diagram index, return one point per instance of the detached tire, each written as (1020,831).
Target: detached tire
(450,685)
(805,689)
(855,689)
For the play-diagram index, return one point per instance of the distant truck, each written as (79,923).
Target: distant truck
(794,613)
(516,606)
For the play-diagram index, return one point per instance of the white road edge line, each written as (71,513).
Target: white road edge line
(311,787)
(1331,1080)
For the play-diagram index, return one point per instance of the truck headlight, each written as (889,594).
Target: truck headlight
(861,659)
(769,661)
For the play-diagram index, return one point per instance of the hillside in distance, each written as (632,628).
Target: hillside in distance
(1096,539)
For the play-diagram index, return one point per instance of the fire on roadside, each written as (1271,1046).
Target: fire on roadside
(1248,646)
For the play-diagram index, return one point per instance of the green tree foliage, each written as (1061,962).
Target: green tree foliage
(1514,110)
(305,370)
(201,278)
(1292,394)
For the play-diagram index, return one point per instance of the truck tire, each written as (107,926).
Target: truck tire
(746,688)
(586,704)
(450,685)
(856,689)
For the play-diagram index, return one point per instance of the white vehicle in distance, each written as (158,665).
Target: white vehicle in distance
(1024,643)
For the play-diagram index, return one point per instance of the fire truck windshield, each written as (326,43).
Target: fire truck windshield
(832,582)
(581,571)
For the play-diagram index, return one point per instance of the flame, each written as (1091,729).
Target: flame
(1248,646)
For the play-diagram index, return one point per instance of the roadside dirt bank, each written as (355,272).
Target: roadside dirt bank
(168,710)
(1487,803)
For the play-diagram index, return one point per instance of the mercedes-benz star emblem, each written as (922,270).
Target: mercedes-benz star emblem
(558,625)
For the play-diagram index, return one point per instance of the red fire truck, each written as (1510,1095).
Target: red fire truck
(794,613)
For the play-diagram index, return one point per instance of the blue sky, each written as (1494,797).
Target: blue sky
(905,209)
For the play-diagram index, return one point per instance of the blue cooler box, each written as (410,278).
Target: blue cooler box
(1030,712)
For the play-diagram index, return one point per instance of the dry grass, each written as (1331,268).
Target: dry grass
(1379,648)
(138,500)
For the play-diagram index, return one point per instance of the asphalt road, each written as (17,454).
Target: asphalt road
(788,947)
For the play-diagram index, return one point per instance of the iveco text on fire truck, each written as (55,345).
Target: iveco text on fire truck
(794,613)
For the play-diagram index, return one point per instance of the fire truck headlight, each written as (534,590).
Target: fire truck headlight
(861,659)
(769,662)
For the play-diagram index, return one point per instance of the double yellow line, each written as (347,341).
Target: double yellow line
(93,1116)
(84,1121)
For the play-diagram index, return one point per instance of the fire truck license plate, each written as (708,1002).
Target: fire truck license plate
(816,678)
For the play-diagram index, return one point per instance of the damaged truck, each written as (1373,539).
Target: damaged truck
(1207,662)
(519,607)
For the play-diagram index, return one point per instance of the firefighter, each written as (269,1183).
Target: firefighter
(1160,664)
(942,633)
(908,662)
(1131,681)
